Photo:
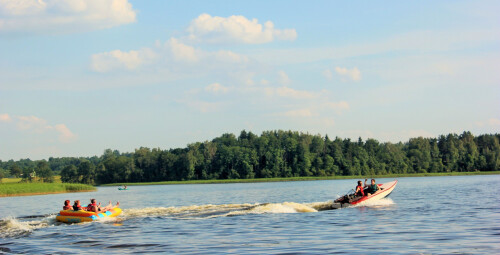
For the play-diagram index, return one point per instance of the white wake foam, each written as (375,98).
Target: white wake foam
(11,227)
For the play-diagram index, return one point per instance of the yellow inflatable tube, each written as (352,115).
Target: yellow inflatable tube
(70,216)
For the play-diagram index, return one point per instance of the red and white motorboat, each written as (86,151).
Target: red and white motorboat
(350,199)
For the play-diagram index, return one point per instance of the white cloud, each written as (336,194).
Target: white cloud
(283,77)
(63,16)
(352,74)
(216,88)
(40,126)
(117,59)
(285,92)
(494,122)
(5,118)
(21,7)
(182,52)
(65,135)
(235,29)
(32,123)
(230,57)
(293,93)
(264,82)
(173,55)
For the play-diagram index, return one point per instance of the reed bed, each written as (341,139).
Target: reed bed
(21,189)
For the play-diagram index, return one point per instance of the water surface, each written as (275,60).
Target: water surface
(436,215)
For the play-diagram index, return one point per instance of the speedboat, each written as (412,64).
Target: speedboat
(350,198)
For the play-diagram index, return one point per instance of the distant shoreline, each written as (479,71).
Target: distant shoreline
(19,188)
(312,178)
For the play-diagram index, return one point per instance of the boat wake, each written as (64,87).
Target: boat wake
(227,210)
(15,227)
(22,226)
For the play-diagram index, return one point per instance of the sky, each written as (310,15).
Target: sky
(81,76)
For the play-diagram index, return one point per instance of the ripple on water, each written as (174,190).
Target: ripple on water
(417,222)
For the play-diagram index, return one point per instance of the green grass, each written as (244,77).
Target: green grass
(10,180)
(57,179)
(301,178)
(20,189)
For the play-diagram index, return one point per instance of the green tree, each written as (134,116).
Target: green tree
(86,172)
(469,158)
(44,172)
(15,170)
(69,174)
(449,151)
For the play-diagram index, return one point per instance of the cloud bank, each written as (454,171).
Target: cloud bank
(172,53)
(350,74)
(39,126)
(235,29)
(63,16)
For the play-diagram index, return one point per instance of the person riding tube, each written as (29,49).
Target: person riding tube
(67,205)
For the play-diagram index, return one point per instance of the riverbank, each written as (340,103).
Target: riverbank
(312,178)
(29,189)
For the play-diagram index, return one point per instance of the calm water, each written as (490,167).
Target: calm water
(431,215)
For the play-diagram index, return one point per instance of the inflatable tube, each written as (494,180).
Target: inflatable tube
(70,216)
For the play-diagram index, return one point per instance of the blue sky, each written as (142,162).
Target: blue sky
(78,77)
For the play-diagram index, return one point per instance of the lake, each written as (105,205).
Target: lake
(436,215)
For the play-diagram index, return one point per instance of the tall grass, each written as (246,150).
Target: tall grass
(10,180)
(17,189)
(57,179)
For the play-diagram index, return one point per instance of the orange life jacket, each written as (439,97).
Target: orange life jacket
(360,190)
(90,207)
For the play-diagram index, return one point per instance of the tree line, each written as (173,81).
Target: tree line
(272,154)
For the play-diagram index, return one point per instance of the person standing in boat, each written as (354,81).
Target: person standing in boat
(359,189)
(372,188)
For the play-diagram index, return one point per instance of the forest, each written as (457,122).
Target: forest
(272,154)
